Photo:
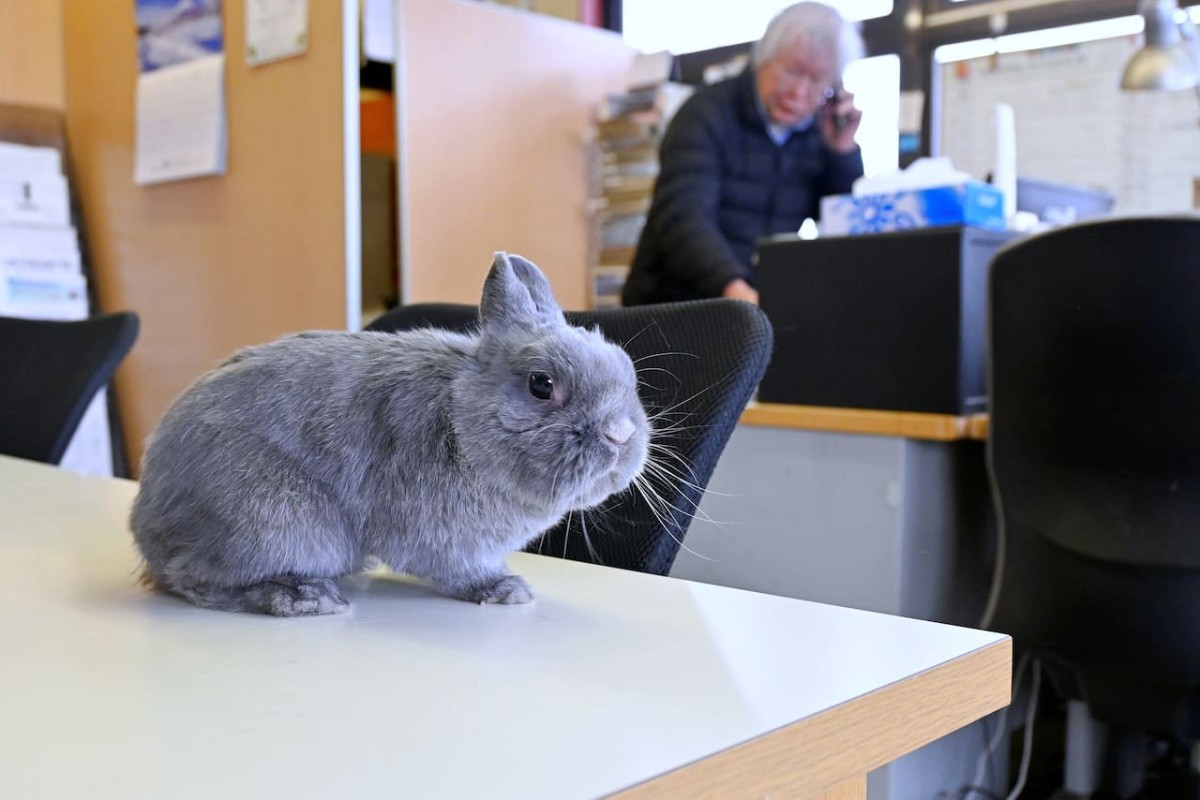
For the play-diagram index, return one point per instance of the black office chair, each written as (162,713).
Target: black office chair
(51,371)
(1094,450)
(699,363)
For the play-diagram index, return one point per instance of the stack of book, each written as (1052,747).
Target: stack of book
(624,165)
(41,272)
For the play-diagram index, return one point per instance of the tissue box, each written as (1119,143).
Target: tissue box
(973,203)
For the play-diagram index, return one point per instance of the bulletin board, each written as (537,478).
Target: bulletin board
(1074,125)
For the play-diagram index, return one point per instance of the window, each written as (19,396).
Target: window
(875,83)
(684,26)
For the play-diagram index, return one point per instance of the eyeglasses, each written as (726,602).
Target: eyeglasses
(819,90)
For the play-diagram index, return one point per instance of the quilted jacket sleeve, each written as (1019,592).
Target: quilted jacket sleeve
(692,249)
(841,171)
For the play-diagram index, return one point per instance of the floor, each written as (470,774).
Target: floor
(1168,776)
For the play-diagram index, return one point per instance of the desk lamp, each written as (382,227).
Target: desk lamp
(1170,58)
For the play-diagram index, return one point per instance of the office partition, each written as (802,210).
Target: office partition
(494,106)
(214,263)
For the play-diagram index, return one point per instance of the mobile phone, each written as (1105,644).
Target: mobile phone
(839,120)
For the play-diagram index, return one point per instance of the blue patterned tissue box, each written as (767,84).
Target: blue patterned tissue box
(973,203)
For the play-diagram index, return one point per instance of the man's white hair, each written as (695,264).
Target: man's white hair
(811,26)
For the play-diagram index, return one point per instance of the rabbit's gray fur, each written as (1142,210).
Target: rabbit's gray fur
(293,461)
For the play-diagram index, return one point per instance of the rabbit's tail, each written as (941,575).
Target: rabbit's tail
(146,579)
(282,596)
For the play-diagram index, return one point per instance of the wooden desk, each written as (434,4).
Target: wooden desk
(908,424)
(611,684)
(881,511)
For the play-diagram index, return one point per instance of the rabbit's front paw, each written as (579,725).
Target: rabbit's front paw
(503,590)
(509,590)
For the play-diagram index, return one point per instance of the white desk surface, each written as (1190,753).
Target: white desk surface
(610,679)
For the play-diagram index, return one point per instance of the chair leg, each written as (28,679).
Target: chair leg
(1085,750)
(1194,772)
(1127,752)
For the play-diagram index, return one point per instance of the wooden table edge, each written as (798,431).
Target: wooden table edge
(879,422)
(829,754)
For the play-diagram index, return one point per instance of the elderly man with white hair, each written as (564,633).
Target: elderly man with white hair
(748,157)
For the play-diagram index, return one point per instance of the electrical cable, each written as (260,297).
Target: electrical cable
(989,610)
(985,757)
(1027,746)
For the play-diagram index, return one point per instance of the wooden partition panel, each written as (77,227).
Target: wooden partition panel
(494,106)
(31,52)
(215,263)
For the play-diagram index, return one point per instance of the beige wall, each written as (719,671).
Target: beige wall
(31,52)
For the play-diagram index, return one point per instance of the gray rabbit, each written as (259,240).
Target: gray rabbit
(439,453)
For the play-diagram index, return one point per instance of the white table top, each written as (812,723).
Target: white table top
(608,680)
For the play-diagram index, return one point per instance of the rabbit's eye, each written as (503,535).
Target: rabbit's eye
(541,385)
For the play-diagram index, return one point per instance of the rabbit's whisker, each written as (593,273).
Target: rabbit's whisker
(657,448)
(588,541)
(566,528)
(664,370)
(651,324)
(662,516)
(666,353)
(672,412)
(670,452)
(671,469)
(651,499)
(660,502)
(690,399)
(630,340)
(673,429)
(554,482)
(567,537)
(668,474)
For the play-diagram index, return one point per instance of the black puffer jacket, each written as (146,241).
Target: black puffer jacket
(723,184)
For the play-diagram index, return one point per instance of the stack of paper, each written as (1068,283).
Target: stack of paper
(40,271)
(41,275)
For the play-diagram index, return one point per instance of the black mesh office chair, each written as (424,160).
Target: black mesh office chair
(49,373)
(1095,453)
(699,363)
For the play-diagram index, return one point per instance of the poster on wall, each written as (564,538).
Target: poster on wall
(275,29)
(180,125)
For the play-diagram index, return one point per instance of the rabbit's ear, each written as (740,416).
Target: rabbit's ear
(516,293)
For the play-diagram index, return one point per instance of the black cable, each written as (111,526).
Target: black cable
(966,791)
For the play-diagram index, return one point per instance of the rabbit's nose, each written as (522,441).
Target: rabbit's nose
(618,431)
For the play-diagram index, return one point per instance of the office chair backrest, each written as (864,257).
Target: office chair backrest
(698,363)
(49,373)
(1095,451)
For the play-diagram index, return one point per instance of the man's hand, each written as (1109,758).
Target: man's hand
(738,289)
(839,119)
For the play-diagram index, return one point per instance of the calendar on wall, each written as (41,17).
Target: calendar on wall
(1074,125)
